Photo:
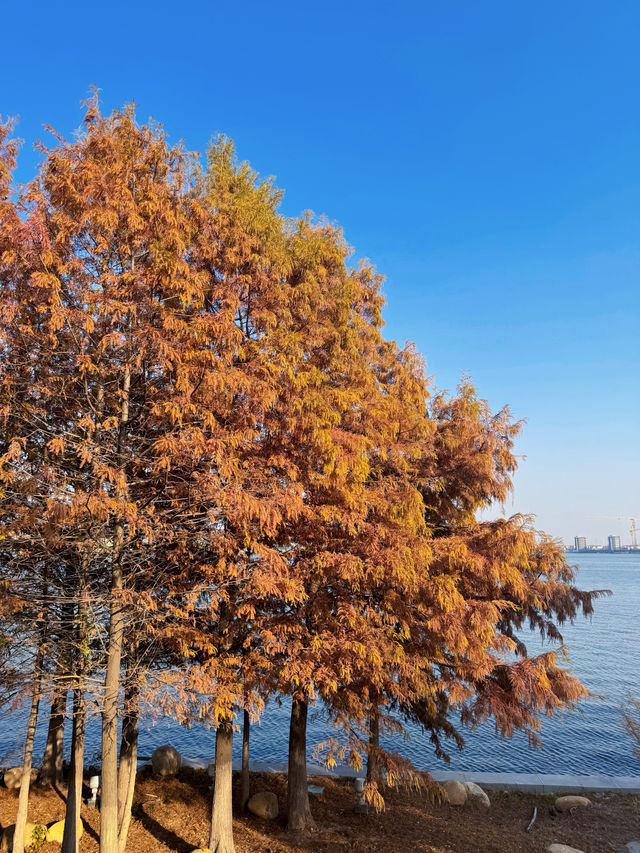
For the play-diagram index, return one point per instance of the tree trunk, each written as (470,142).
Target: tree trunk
(23,799)
(221,835)
(373,765)
(128,761)
(299,817)
(51,768)
(109,786)
(246,791)
(70,840)
(109,798)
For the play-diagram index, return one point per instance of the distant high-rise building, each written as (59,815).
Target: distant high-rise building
(580,543)
(614,543)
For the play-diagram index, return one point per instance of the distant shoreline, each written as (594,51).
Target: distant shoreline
(602,551)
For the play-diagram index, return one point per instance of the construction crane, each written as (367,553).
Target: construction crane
(633,530)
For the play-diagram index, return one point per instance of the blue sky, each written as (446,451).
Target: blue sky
(484,155)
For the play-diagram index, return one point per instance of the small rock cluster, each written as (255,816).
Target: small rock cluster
(460,793)
(563,805)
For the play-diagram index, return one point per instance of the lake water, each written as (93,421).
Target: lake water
(604,654)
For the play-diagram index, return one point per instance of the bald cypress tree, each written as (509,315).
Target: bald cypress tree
(206,435)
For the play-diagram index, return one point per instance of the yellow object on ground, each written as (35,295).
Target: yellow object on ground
(31,833)
(55,831)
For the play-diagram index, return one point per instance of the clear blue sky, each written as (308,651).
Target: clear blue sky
(485,155)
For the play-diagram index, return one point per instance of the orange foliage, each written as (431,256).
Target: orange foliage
(199,390)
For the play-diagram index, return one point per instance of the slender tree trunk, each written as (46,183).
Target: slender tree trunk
(23,799)
(51,768)
(59,737)
(221,835)
(246,730)
(70,840)
(128,760)
(299,817)
(109,799)
(373,766)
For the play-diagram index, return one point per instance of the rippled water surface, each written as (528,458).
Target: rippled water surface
(604,654)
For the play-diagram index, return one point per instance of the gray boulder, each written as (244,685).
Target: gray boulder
(632,847)
(12,777)
(264,804)
(456,792)
(166,761)
(562,848)
(475,793)
(565,804)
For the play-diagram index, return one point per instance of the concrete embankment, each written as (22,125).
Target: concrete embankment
(533,783)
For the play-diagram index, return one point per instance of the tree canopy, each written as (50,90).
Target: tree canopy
(221,483)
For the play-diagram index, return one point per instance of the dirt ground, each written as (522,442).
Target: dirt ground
(171,816)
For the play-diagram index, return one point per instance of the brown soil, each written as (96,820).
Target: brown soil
(171,816)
